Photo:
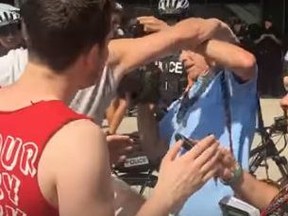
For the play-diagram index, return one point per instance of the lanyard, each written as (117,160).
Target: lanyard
(197,90)
(226,100)
(191,96)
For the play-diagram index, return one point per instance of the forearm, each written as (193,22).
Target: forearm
(154,207)
(127,201)
(149,133)
(232,57)
(118,115)
(257,193)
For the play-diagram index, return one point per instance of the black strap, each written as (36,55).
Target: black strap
(260,116)
(185,102)
(226,99)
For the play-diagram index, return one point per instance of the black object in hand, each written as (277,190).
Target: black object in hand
(188,143)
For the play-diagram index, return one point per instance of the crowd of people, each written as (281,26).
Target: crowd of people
(269,47)
(67,65)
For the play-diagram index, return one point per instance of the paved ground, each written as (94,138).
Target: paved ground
(270,109)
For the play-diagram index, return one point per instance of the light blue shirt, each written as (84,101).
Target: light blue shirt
(207,116)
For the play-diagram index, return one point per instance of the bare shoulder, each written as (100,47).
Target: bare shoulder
(79,140)
(79,129)
(79,135)
(77,155)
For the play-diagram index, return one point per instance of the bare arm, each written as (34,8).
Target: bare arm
(238,60)
(152,24)
(83,179)
(248,188)
(257,193)
(149,133)
(128,54)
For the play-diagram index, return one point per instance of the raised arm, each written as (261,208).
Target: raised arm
(128,54)
(233,57)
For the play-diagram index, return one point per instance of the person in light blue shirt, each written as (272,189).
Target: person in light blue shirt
(221,101)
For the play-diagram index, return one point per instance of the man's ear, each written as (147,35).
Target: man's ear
(92,56)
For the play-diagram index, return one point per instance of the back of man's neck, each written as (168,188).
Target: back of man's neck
(42,83)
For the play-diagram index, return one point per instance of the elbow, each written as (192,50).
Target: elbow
(248,65)
(216,23)
(206,29)
(249,61)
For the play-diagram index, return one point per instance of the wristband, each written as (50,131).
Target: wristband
(236,176)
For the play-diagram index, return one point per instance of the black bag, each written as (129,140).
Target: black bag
(150,85)
(130,83)
(142,85)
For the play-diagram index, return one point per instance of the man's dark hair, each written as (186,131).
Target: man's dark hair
(60,30)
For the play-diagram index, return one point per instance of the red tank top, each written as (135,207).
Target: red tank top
(23,137)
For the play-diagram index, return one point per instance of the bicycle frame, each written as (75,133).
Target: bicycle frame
(267,149)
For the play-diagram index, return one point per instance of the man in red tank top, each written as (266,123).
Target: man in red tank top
(54,161)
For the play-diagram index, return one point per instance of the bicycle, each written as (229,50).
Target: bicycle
(267,149)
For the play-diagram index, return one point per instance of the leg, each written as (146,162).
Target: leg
(119,114)
(111,110)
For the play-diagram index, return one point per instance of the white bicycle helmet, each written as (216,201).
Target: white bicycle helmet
(9,14)
(173,7)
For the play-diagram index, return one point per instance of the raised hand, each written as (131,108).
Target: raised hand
(227,164)
(152,24)
(119,146)
(181,176)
